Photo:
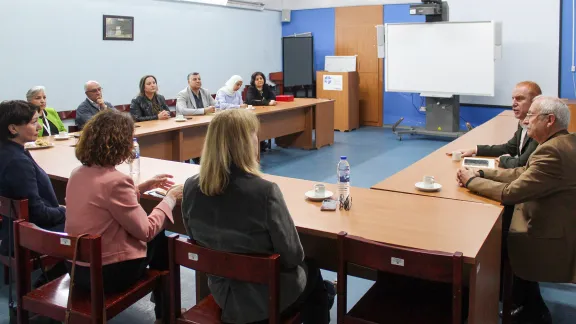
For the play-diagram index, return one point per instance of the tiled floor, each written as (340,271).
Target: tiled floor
(374,154)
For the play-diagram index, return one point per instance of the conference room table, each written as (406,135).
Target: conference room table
(305,123)
(498,130)
(395,218)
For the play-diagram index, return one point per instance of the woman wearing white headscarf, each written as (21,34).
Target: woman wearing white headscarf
(228,96)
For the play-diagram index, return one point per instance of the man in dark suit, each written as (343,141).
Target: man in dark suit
(517,150)
(93,104)
(541,240)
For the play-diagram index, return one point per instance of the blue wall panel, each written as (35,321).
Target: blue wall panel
(567,87)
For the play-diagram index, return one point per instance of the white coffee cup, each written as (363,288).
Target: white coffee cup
(63,134)
(457,156)
(179,116)
(319,190)
(250,107)
(428,181)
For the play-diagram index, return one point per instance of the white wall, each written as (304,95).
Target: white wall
(312,4)
(58,44)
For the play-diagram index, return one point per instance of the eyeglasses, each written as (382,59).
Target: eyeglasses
(345,204)
(530,115)
(95,90)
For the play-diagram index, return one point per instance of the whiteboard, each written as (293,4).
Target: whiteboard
(443,58)
(530,43)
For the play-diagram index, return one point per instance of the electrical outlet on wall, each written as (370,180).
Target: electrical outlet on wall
(423,108)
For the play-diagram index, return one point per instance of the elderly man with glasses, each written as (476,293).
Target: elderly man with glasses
(93,104)
(541,238)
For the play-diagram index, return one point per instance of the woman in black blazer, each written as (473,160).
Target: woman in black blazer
(149,105)
(260,93)
(230,207)
(20,176)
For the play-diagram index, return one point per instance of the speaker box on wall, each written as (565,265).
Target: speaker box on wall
(285,15)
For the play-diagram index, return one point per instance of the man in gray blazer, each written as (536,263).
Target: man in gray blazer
(194,100)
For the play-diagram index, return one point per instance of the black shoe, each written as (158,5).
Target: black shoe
(530,315)
(56,271)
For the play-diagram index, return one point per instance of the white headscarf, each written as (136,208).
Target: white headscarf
(229,87)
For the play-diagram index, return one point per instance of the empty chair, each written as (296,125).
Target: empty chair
(254,269)
(52,300)
(426,286)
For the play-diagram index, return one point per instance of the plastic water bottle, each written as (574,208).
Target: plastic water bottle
(135,164)
(343,173)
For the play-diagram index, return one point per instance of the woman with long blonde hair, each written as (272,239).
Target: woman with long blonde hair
(229,207)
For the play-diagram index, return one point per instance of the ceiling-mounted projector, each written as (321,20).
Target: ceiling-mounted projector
(427,8)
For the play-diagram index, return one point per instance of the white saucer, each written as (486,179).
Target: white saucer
(62,138)
(420,186)
(180,120)
(312,195)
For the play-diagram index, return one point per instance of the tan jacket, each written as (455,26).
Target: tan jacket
(542,238)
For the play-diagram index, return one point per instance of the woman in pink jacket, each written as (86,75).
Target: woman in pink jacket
(104,201)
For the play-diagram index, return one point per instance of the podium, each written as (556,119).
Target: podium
(343,88)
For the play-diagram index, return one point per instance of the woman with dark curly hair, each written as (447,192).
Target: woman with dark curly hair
(149,105)
(104,201)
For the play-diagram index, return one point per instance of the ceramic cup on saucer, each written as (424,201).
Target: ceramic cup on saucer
(428,182)
(456,156)
(319,190)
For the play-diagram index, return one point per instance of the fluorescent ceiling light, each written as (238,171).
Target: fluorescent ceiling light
(245,4)
(241,4)
(212,2)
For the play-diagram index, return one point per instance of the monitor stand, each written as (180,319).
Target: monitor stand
(442,119)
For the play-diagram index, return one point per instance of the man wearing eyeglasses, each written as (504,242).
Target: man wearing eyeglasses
(541,240)
(93,104)
(517,150)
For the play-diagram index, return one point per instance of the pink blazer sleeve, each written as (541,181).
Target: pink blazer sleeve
(125,209)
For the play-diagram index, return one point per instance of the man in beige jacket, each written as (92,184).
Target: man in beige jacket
(542,234)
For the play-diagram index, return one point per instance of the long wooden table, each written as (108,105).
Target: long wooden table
(304,123)
(495,131)
(395,218)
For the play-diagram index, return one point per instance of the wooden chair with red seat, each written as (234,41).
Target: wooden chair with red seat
(254,269)
(426,286)
(11,209)
(51,299)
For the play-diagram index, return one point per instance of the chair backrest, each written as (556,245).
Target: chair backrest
(247,268)
(59,245)
(14,209)
(29,237)
(427,265)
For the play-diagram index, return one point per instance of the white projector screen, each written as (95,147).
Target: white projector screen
(447,58)
(530,43)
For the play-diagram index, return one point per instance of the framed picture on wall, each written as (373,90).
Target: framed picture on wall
(118,28)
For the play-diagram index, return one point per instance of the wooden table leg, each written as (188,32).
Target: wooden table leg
(324,124)
(298,138)
(485,280)
(177,145)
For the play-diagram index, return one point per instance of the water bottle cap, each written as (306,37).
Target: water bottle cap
(342,157)
(134,139)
